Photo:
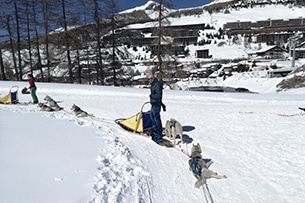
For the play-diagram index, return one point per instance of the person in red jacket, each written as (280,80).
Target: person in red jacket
(33,88)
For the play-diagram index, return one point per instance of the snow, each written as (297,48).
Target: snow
(255,139)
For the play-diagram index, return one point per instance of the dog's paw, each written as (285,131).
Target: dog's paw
(197,185)
(200,182)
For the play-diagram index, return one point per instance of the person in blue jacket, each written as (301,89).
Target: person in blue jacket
(156,102)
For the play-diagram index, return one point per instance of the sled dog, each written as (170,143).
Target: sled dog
(79,112)
(44,107)
(52,103)
(200,167)
(172,129)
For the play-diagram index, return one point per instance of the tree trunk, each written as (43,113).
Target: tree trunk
(46,26)
(29,37)
(67,41)
(37,41)
(10,34)
(18,40)
(3,76)
(99,68)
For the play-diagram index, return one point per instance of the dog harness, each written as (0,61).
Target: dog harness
(195,167)
(172,123)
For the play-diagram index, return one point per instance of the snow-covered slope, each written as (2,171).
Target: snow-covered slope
(255,139)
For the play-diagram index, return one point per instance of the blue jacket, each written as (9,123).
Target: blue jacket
(156,93)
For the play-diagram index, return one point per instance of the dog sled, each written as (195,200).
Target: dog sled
(141,124)
(11,97)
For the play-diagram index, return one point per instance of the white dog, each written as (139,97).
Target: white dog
(172,129)
(79,112)
(52,103)
(200,167)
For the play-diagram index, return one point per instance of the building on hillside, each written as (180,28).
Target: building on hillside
(273,38)
(300,51)
(143,41)
(203,53)
(272,32)
(178,36)
(185,40)
(273,52)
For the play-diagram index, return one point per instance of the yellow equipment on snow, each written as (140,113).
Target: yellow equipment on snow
(11,97)
(138,123)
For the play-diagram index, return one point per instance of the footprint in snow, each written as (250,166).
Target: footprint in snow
(58,179)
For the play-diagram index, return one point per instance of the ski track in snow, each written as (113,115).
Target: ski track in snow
(121,175)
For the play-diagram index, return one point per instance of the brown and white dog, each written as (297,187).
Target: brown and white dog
(200,167)
(173,128)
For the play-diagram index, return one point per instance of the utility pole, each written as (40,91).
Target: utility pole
(292,44)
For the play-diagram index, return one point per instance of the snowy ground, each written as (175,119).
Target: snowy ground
(257,140)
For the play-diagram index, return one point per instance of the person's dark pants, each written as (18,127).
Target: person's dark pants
(33,94)
(155,117)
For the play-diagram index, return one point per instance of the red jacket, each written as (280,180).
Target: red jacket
(32,83)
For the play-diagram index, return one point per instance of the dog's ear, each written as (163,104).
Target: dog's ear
(199,147)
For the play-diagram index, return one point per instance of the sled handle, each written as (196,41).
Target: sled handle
(139,116)
(13,88)
(144,105)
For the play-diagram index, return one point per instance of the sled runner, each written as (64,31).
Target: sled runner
(11,97)
(141,124)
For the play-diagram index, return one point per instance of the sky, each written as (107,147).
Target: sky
(126,4)
(256,140)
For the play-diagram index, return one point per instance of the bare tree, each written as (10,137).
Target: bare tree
(3,75)
(162,23)
(37,44)
(67,40)
(10,36)
(115,65)
(28,24)
(2,38)
(46,8)
(99,69)
(25,29)
(18,39)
